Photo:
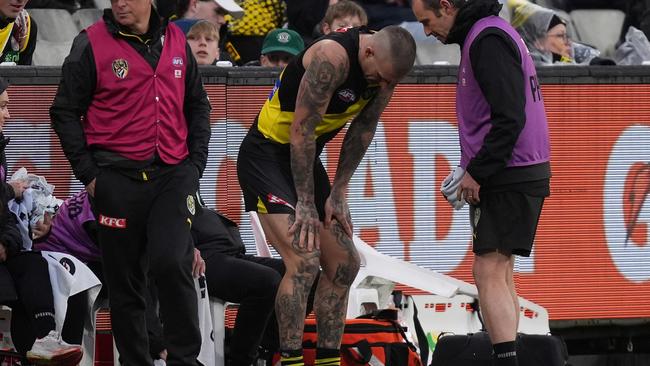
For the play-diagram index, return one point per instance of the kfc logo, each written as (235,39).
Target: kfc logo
(112,222)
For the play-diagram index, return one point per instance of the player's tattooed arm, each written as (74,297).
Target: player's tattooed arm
(326,67)
(356,142)
(358,138)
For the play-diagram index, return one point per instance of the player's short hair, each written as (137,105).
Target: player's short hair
(402,47)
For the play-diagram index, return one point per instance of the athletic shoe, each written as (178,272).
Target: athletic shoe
(52,350)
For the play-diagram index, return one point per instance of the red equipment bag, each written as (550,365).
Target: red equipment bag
(378,340)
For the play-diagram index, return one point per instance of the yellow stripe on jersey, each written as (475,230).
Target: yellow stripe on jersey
(5,33)
(274,123)
(261,208)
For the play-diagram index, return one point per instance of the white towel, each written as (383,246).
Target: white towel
(207,353)
(449,188)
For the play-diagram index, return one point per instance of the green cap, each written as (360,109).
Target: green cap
(283,40)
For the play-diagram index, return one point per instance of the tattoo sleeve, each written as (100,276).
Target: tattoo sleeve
(322,76)
(359,136)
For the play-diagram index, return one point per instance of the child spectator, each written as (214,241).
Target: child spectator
(343,14)
(279,47)
(203,39)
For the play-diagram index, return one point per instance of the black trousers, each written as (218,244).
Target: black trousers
(144,228)
(252,282)
(32,315)
(244,279)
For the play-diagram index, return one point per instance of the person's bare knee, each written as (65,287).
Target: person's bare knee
(490,267)
(339,258)
(343,273)
(302,267)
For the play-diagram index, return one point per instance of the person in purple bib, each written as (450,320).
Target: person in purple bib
(133,120)
(504,151)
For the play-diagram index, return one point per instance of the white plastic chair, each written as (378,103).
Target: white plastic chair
(600,28)
(218,312)
(258,233)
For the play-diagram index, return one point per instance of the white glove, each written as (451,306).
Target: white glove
(449,188)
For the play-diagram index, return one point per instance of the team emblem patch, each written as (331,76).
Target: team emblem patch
(284,37)
(177,61)
(120,68)
(347,95)
(191,205)
(178,74)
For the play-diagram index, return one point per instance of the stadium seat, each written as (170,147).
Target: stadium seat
(434,53)
(102,4)
(218,312)
(600,28)
(54,25)
(85,17)
(260,239)
(51,53)
(544,3)
(505,12)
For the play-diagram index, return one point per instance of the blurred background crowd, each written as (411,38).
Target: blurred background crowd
(269,32)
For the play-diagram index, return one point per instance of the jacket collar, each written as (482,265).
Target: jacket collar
(117,30)
(468,14)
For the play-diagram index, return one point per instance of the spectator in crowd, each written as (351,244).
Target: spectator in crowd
(545,35)
(279,47)
(382,13)
(637,15)
(17,32)
(344,75)
(543,31)
(343,14)
(142,168)
(214,11)
(69,5)
(304,16)
(247,33)
(570,5)
(504,152)
(32,321)
(203,39)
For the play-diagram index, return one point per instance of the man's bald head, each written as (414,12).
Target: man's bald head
(397,45)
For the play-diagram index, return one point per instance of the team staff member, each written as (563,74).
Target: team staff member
(139,150)
(342,75)
(505,150)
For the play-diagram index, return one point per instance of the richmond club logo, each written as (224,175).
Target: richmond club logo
(120,68)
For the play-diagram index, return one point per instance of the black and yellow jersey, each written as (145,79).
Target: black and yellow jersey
(276,116)
(18,39)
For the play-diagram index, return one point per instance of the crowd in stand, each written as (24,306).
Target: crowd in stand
(243,26)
